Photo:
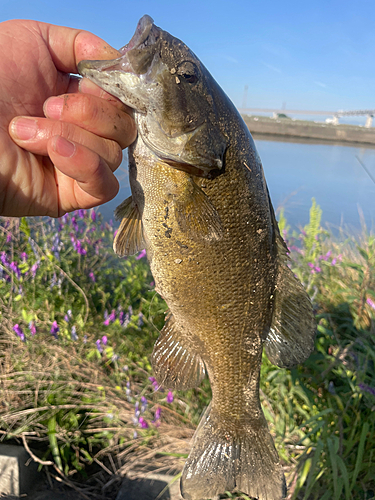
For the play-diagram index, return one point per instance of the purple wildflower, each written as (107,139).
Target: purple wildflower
(370,302)
(144,404)
(4,259)
(53,281)
(19,332)
(170,397)
(98,346)
(143,423)
(128,391)
(81,213)
(14,267)
(92,277)
(140,319)
(55,329)
(68,316)
(367,388)
(77,245)
(34,269)
(104,340)
(109,319)
(74,335)
(74,224)
(34,247)
(32,328)
(93,215)
(65,219)
(24,256)
(9,237)
(157,413)
(154,383)
(141,255)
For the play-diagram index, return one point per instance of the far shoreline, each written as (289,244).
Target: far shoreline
(288,130)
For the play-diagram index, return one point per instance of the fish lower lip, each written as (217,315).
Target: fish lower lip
(120,64)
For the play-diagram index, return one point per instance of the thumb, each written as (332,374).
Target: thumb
(68,46)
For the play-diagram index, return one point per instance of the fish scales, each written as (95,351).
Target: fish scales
(201,208)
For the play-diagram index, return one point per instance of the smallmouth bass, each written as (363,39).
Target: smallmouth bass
(201,208)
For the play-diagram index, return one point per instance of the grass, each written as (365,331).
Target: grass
(78,326)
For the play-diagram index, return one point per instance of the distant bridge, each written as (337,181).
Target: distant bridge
(335,114)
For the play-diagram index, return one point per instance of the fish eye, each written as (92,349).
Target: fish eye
(188,71)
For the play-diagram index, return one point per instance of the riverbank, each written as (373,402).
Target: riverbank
(305,129)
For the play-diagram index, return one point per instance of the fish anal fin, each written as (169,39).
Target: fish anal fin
(174,363)
(129,238)
(225,460)
(291,337)
(195,213)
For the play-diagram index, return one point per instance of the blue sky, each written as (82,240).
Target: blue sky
(309,55)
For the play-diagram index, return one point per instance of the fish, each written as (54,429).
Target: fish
(201,208)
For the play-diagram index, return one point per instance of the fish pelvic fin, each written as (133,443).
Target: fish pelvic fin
(129,238)
(176,366)
(222,460)
(290,340)
(195,213)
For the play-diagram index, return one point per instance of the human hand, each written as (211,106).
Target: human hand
(69,159)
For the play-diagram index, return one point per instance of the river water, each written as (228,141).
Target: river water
(298,171)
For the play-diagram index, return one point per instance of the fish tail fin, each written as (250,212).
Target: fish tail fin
(225,460)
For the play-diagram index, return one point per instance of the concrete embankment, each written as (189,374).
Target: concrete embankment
(301,129)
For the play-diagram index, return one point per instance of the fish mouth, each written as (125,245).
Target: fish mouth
(121,76)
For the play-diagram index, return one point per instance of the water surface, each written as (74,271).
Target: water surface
(298,171)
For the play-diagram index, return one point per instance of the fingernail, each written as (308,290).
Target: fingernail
(24,128)
(53,107)
(64,147)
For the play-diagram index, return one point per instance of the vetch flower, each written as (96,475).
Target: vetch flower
(14,267)
(141,255)
(144,404)
(9,237)
(140,319)
(93,215)
(170,397)
(24,256)
(4,259)
(98,346)
(73,334)
(154,383)
(55,329)
(367,388)
(143,423)
(32,328)
(19,332)
(34,247)
(34,269)
(104,340)
(68,316)
(92,277)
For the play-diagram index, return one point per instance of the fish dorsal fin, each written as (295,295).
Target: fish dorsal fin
(195,213)
(129,238)
(174,363)
(291,337)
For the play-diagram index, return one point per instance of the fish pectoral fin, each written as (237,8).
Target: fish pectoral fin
(227,456)
(175,365)
(290,340)
(129,238)
(196,215)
